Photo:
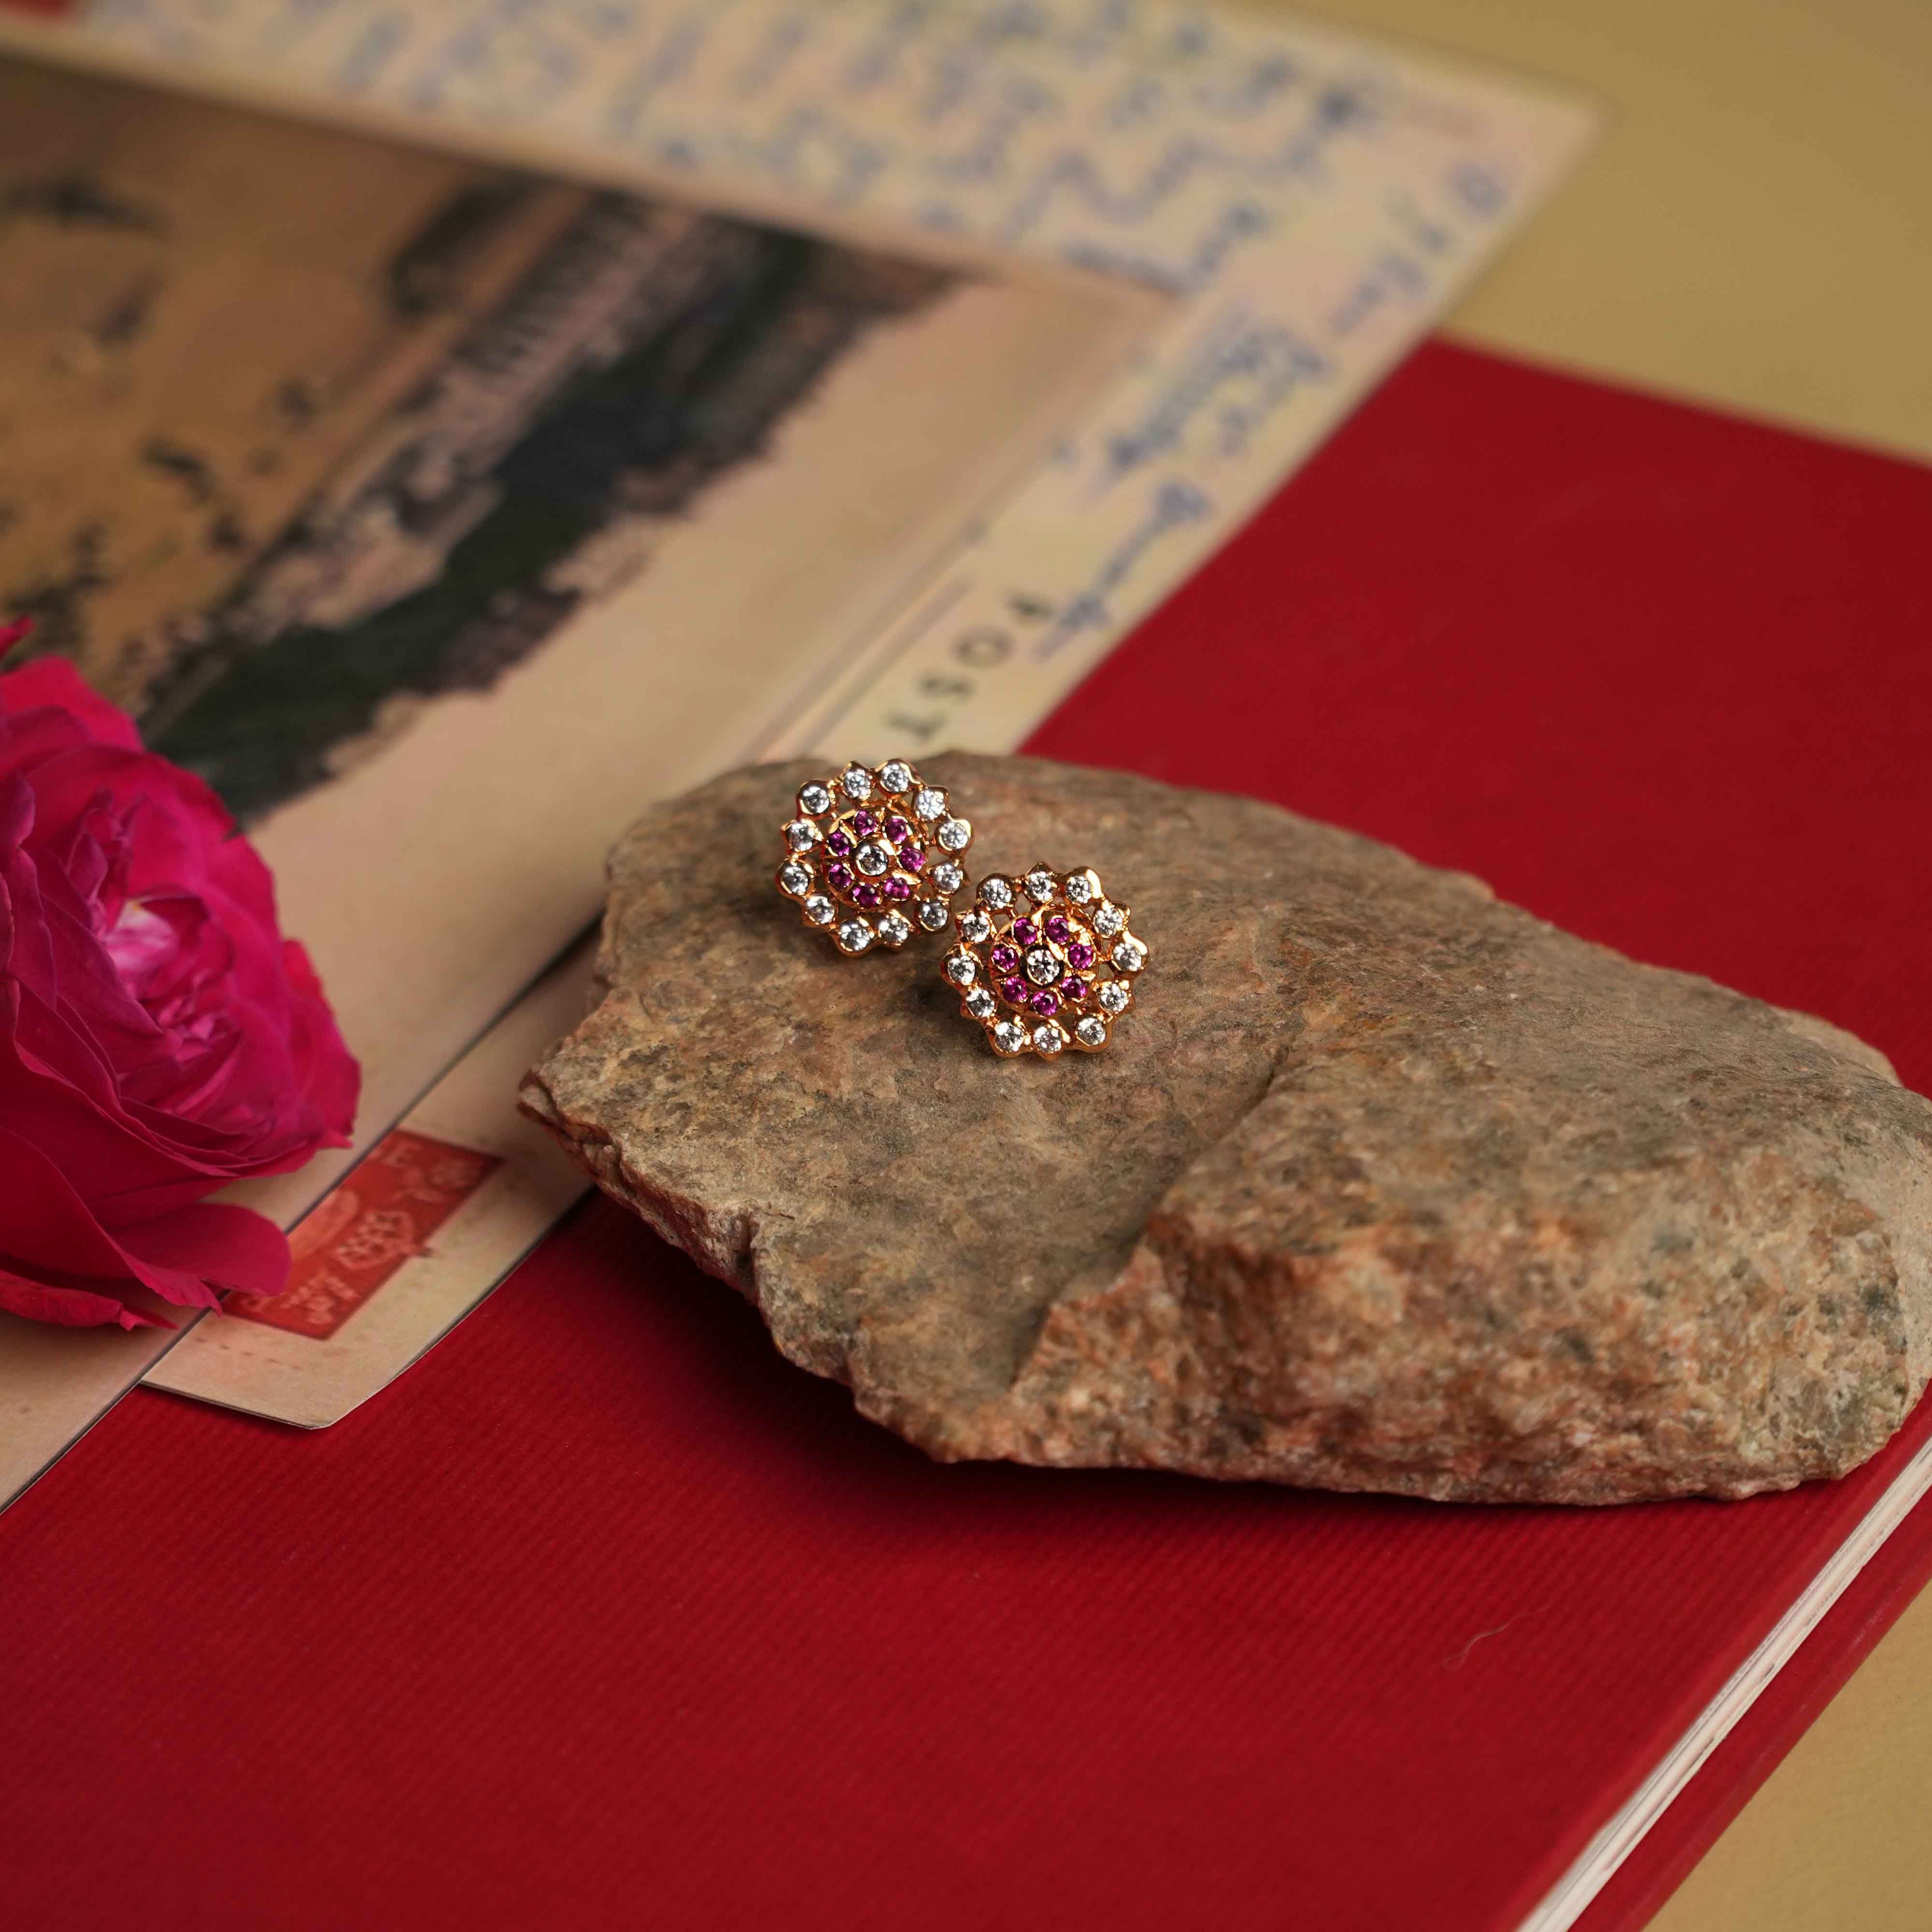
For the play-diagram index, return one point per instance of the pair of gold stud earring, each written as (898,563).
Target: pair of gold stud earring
(1043,964)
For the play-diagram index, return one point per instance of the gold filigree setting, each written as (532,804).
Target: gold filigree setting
(1044,964)
(873,856)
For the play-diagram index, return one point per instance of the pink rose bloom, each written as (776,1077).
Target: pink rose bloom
(158,1037)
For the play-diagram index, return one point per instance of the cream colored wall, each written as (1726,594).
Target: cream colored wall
(1755,229)
(1838,1839)
(1755,232)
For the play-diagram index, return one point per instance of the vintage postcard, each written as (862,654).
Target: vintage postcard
(441,515)
(572,402)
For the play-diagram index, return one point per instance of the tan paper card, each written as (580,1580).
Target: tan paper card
(55,1384)
(410,1239)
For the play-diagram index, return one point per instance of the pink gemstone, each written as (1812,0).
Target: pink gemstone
(1046,1004)
(838,877)
(911,857)
(864,823)
(1025,931)
(864,894)
(1075,990)
(1080,955)
(898,888)
(840,842)
(1057,928)
(1004,958)
(897,828)
(1014,991)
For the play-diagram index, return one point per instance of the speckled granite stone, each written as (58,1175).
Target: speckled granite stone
(1381,1185)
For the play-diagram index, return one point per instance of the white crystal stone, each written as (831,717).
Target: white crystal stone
(1041,886)
(794,878)
(932,914)
(1109,920)
(948,878)
(1129,955)
(1047,1038)
(855,935)
(814,799)
(928,802)
(896,774)
(801,835)
(1091,1031)
(871,858)
(895,928)
(975,927)
(996,891)
(1082,888)
(1041,967)
(962,969)
(856,782)
(1009,1036)
(1114,995)
(954,834)
(819,909)
(981,1004)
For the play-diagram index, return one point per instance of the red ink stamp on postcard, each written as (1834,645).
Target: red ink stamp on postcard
(381,1215)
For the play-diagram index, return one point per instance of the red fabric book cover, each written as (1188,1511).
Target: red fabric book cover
(604,1615)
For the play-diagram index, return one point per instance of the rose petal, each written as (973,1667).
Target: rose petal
(182,825)
(16,810)
(69,1307)
(53,681)
(331,1077)
(229,1246)
(48,1232)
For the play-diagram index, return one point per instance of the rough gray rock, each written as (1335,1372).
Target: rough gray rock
(1382,1184)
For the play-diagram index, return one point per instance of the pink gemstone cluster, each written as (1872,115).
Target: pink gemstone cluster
(873,856)
(1045,963)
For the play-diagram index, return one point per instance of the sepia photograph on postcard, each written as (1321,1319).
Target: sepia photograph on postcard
(440,515)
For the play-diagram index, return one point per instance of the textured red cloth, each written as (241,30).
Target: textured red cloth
(605,1616)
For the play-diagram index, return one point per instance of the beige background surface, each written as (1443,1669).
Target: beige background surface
(1754,231)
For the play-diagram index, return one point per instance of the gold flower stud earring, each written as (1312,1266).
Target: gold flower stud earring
(872,856)
(1045,963)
